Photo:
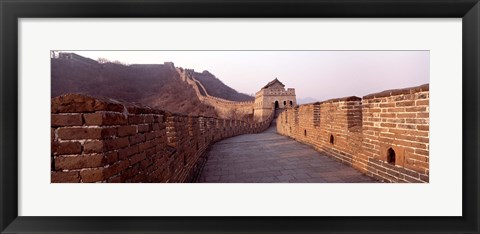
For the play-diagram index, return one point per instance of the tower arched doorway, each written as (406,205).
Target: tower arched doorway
(276,105)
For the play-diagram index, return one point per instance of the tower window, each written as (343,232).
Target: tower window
(332,140)
(391,156)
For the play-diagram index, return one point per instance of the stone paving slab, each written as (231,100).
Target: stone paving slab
(268,157)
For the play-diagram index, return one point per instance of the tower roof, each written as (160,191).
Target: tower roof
(272,83)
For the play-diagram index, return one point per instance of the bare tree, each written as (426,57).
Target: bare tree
(233,114)
(103,60)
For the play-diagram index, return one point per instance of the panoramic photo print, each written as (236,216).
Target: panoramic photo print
(240,116)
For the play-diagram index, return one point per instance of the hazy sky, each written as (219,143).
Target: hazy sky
(318,74)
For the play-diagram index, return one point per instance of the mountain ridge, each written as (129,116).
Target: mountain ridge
(155,85)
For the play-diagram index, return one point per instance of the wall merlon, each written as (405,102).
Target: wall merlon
(395,92)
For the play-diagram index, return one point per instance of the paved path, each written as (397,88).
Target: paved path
(269,157)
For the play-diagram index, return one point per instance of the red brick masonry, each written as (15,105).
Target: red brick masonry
(365,132)
(100,140)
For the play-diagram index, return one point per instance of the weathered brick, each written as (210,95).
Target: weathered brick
(385,105)
(143,128)
(405,103)
(137,158)
(388,125)
(60,120)
(79,161)
(117,143)
(145,145)
(423,115)
(407,126)
(105,118)
(138,138)
(424,178)
(126,152)
(92,175)
(415,109)
(116,168)
(65,177)
(423,127)
(128,130)
(79,133)
(406,115)
(67,147)
(150,135)
(422,102)
(93,147)
(111,157)
(416,121)
(136,119)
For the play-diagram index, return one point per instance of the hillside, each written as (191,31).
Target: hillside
(155,85)
(215,87)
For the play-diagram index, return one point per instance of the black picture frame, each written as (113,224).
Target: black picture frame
(11,11)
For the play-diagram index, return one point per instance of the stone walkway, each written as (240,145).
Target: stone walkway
(268,157)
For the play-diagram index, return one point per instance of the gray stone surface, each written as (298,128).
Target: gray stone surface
(268,157)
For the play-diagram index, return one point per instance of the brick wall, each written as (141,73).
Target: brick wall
(385,135)
(100,140)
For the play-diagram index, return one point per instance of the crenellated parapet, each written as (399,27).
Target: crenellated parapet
(104,140)
(385,135)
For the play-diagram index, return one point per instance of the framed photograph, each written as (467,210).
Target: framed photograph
(226,116)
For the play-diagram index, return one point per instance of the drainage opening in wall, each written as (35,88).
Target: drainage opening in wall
(391,156)
(332,140)
(305,132)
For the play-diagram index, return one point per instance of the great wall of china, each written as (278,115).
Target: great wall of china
(223,107)
(384,135)
(271,96)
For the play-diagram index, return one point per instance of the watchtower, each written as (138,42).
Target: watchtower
(272,97)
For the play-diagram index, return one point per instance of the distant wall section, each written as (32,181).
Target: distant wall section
(224,108)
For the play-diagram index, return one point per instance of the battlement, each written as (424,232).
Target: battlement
(365,133)
(76,57)
(104,140)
